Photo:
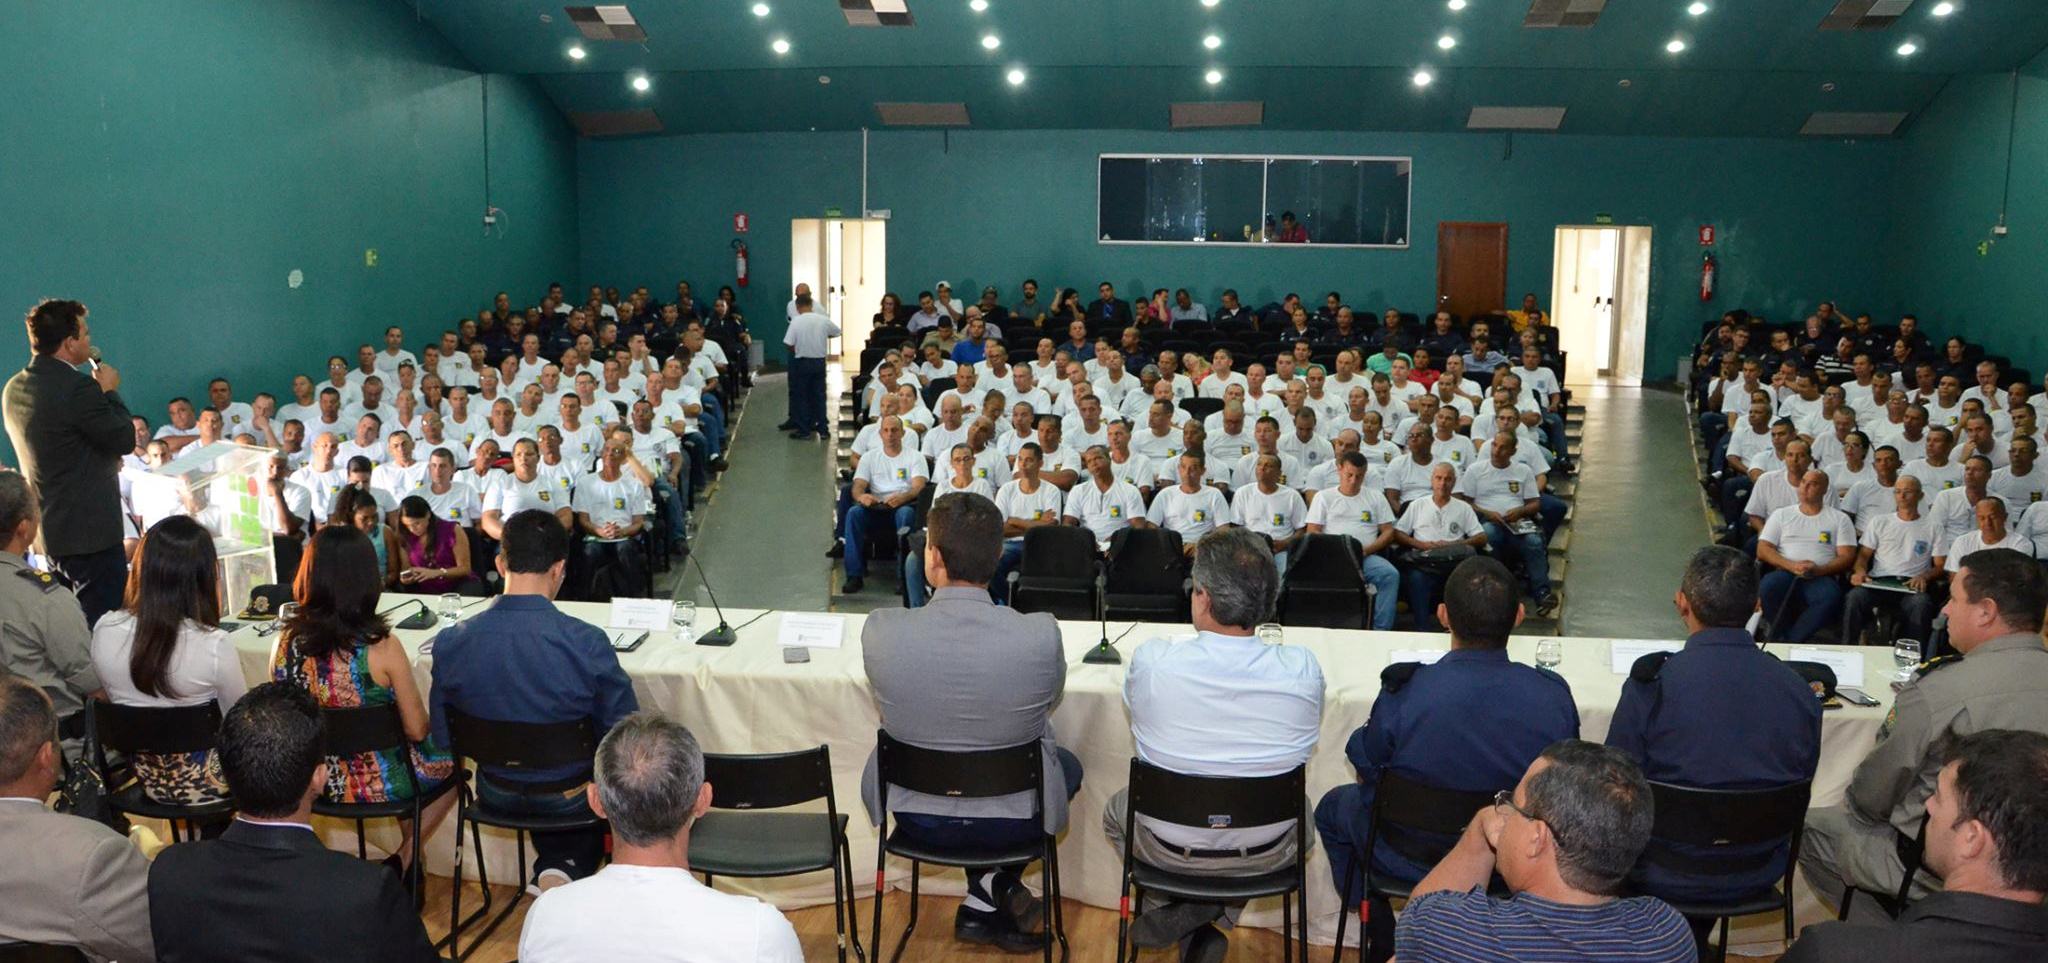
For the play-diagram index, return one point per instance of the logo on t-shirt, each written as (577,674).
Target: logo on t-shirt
(1919,547)
(1279,519)
(619,504)
(1201,515)
(902,474)
(454,514)
(1514,488)
(1365,514)
(1827,538)
(544,496)
(1116,511)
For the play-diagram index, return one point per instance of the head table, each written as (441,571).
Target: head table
(746,699)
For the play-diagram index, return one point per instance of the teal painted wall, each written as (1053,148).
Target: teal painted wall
(1950,177)
(1798,221)
(171,163)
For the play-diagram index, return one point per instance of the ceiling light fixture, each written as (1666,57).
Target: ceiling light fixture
(1944,8)
(760,9)
(641,83)
(1212,41)
(978,6)
(1208,3)
(1457,4)
(577,53)
(1697,9)
(1446,42)
(1424,78)
(991,42)
(1675,46)
(1016,77)
(780,46)
(1214,76)
(1908,49)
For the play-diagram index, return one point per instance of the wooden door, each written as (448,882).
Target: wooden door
(1471,267)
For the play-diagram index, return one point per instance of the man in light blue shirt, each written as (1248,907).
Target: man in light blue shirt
(1219,704)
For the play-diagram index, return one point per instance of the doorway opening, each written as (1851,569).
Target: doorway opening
(844,260)
(1600,302)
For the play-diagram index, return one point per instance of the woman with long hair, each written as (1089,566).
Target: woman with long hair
(344,653)
(165,648)
(357,508)
(433,553)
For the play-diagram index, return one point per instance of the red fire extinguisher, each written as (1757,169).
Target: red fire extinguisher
(1707,278)
(740,260)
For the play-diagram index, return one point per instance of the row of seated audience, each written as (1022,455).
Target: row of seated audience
(1108,449)
(1569,831)
(1858,478)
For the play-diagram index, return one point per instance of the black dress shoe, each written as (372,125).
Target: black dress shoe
(786,426)
(993,929)
(838,550)
(799,436)
(1205,945)
(719,464)
(852,586)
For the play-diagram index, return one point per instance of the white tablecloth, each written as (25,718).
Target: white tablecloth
(745,699)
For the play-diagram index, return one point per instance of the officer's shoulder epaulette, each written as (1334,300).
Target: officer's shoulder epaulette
(1649,667)
(40,579)
(1394,676)
(1937,662)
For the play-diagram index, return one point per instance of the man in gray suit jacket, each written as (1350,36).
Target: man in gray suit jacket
(959,674)
(66,881)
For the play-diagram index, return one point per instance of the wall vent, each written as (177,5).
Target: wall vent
(876,13)
(1515,118)
(922,115)
(615,123)
(1852,124)
(1229,113)
(609,22)
(1563,13)
(1864,14)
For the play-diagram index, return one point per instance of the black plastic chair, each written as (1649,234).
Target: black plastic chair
(1420,822)
(938,387)
(379,729)
(509,746)
(1057,573)
(1911,853)
(1201,408)
(980,774)
(175,731)
(736,839)
(39,953)
(1324,586)
(1209,802)
(1145,577)
(1727,818)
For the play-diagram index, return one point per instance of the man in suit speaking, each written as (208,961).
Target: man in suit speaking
(70,429)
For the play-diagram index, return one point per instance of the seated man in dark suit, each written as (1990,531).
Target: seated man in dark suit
(1472,722)
(1984,840)
(960,674)
(267,889)
(70,881)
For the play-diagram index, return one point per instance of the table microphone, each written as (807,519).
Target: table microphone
(723,635)
(1104,653)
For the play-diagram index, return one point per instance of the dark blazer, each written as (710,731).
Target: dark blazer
(1949,927)
(69,437)
(275,893)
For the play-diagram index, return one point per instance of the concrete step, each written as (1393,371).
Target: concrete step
(1561,542)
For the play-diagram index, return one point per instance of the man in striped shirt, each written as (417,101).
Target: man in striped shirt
(1564,842)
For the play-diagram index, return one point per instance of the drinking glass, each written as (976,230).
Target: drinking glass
(451,606)
(1906,655)
(1272,634)
(685,618)
(1549,653)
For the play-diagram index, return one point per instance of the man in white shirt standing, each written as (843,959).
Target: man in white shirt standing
(808,338)
(1220,704)
(648,782)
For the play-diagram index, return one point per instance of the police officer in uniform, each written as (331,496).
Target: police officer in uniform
(1719,714)
(1999,681)
(45,639)
(1472,722)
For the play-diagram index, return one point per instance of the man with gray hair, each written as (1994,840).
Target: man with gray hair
(1222,703)
(648,781)
(1563,841)
(47,641)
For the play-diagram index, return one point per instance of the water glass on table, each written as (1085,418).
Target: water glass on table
(685,618)
(1549,653)
(1272,634)
(451,606)
(1906,654)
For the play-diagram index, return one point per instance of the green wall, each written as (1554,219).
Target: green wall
(1950,177)
(1798,221)
(171,163)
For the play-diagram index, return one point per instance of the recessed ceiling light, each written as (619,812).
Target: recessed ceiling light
(977,6)
(780,46)
(1944,8)
(641,83)
(1457,4)
(1015,76)
(1208,3)
(1675,46)
(1697,9)
(1625,83)
(1212,41)
(824,79)
(1908,49)
(577,53)
(1828,87)
(1214,77)
(760,9)
(1446,42)
(1423,77)
(991,42)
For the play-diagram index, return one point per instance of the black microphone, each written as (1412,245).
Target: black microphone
(1104,652)
(723,635)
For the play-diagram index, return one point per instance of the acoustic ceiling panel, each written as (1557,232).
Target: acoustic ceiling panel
(1563,13)
(1229,113)
(608,22)
(876,13)
(1864,14)
(902,114)
(1852,124)
(1515,118)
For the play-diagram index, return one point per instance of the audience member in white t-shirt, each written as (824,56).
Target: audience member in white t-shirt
(1936,470)
(1430,523)
(2021,483)
(394,353)
(1805,546)
(1992,530)
(1190,509)
(1101,502)
(1901,544)
(1874,496)
(1266,505)
(1851,468)
(887,483)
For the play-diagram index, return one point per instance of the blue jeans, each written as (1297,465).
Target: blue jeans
(1530,549)
(1553,432)
(1550,514)
(1820,603)
(576,852)
(807,394)
(1421,589)
(672,502)
(711,421)
(1385,580)
(858,519)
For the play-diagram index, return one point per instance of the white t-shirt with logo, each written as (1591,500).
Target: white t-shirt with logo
(460,504)
(1424,519)
(1038,506)
(1500,490)
(1191,515)
(888,474)
(618,501)
(509,496)
(1809,538)
(1359,516)
(1104,513)
(2020,491)
(1899,548)
(1277,515)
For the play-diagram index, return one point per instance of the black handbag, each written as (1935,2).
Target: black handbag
(83,792)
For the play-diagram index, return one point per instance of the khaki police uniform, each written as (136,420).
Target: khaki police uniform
(44,638)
